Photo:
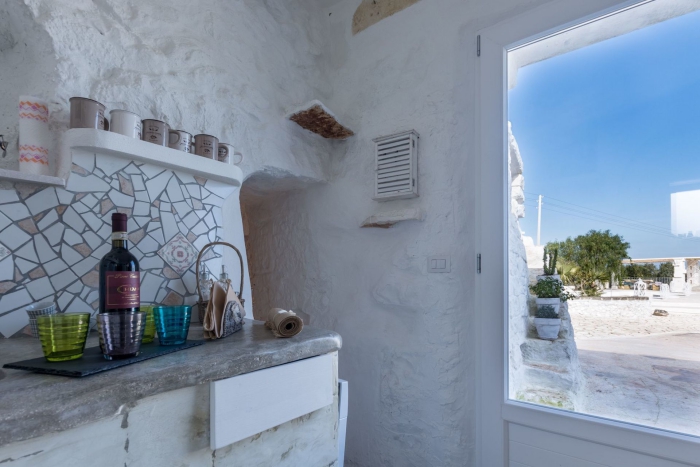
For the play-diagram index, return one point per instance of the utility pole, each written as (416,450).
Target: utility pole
(539,219)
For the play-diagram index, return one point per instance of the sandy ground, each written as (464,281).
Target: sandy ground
(641,368)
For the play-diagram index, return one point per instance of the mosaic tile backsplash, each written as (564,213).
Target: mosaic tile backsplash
(52,239)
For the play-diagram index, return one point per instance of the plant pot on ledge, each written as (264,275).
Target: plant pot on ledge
(548,328)
(555,303)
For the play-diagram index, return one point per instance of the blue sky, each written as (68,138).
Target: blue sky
(613,127)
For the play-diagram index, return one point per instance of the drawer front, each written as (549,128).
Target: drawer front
(245,405)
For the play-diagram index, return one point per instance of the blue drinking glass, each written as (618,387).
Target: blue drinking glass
(172,323)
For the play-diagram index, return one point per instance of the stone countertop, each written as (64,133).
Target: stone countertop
(34,404)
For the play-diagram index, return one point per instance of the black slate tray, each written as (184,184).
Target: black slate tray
(93,362)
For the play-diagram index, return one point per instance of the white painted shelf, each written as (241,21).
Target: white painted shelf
(116,145)
(16,176)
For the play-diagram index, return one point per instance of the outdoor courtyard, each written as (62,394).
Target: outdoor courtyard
(638,367)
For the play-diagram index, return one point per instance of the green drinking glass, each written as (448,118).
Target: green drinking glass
(149,332)
(63,335)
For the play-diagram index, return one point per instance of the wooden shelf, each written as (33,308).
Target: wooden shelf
(116,145)
(16,176)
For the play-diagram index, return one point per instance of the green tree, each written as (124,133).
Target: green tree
(596,255)
(666,270)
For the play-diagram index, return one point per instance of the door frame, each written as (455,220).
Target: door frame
(495,411)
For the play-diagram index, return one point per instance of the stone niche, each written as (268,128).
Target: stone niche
(52,239)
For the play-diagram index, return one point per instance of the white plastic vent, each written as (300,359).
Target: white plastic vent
(396,159)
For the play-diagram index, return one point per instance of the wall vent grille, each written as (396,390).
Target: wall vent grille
(396,166)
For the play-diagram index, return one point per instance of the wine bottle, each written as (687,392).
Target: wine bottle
(120,286)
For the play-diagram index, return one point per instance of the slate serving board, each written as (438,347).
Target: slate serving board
(93,362)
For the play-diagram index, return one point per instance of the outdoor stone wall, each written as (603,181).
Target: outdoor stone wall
(52,239)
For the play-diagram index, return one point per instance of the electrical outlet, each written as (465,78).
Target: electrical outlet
(439,263)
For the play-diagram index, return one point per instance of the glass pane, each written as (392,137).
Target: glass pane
(604,165)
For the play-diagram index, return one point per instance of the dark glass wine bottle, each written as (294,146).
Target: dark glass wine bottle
(120,286)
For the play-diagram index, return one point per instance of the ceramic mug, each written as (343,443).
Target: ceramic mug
(226,152)
(206,146)
(155,131)
(125,123)
(87,113)
(180,140)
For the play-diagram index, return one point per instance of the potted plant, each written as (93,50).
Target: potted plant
(550,291)
(547,322)
(550,264)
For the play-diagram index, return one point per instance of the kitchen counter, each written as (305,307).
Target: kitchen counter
(33,405)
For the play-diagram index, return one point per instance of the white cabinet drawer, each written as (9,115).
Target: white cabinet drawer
(245,405)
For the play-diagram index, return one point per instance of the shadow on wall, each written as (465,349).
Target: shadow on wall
(275,219)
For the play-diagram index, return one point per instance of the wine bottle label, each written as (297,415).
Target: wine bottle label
(122,289)
(119,236)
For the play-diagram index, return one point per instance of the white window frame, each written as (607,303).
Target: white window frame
(495,410)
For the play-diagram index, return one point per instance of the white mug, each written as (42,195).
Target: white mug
(125,123)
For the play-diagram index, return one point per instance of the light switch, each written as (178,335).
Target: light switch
(439,263)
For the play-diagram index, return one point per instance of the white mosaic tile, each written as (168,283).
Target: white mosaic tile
(79,207)
(183,228)
(178,253)
(165,198)
(177,286)
(213,200)
(137,181)
(63,301)
(189,279)
(40,288)
(190,220)
(200,242)
(92,296)
(167,207)
(154,212)
(55,266)
(69,255)
(218,217)
(84,159)
(64,197)
(152,226)
(158,236)
(16,211)
(4,221)
(7,269)
(55,233)
(11,323)
(106,230)
(115,184)
(43,249)
(101,251)
(194,190)
(212,235)
(185,177)
(27,252)
(85,292)
(13,237)
(161,295)
(151,171)
(148,244)
(120,199)
(200,213)
(41,201)
(199,229)
(182,208)
(132,169)
(8,196)
(71,218)
(79,306)
(151,262)
(88,184)
(110,165)
(188,201)
(94,222)
(150,283)
(92,239)
(169,225)
(71,237)
(13,300)
(61,280)
(142,196)
(174,191)
(209,219)
(75,287)
(4,252)
(47,220)
(24,265)
(90,201)
(156,185)
(84,266)
(142,209)
(138,254)
(141,221)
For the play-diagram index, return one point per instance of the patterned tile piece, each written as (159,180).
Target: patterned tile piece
(178,253)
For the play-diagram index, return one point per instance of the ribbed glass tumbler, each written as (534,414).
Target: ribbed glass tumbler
(172,323)
(121,334)
(63,335)
(150,332)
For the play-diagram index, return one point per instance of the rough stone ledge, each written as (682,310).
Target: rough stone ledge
(33,405)
(385,220)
